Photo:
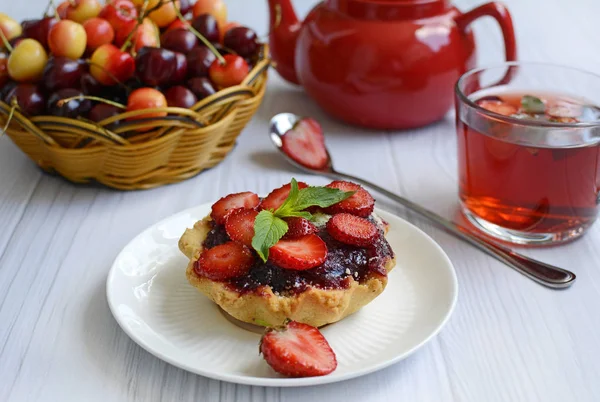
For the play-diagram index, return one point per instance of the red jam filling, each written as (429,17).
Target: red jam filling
(342,261)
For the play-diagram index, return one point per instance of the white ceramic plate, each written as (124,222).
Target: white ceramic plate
(152,301)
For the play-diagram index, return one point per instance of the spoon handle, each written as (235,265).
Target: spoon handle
(545,274)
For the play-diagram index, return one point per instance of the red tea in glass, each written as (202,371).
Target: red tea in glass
(529,159)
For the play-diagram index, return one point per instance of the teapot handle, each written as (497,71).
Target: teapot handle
(500,13)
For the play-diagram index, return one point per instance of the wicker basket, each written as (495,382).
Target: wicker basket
(174,148)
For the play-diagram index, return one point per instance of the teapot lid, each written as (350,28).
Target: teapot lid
(390,9)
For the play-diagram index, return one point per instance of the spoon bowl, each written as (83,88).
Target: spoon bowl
(281,124)
(545,274)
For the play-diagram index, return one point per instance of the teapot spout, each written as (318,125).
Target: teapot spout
(284,28)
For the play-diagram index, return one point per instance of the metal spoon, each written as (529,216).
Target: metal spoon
(540,272)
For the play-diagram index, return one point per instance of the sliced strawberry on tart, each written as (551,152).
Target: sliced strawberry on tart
(309,254)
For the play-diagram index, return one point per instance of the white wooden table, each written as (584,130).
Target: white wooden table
(508,340)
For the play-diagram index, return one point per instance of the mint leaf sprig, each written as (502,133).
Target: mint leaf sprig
(269,226)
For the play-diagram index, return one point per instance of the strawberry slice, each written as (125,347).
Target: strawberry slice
(298,350)
(351,229)
(298,227)
(305,144)
(361,203)
(240,225)
(299,254)
(225,205)
(278,196)
(225,261)
(497,106)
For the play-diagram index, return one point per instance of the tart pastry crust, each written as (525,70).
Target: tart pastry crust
(314,306)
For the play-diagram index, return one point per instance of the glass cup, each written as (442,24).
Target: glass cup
(529,181)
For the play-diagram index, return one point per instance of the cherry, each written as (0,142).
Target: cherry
(9,27)
(228,26)
(146,34)
(165,14)
(73,108)
(29,98)
(103,111)
(67,38)
(82,10)
(89,85)
(99,32)
(207,26)
(231,73)
(146,98)
(216,8)
(241,40)
(155,66)
(180,96)
(116,93)
(62,72)
(62,8)
(201,87)
(179,24)
(119,13)
(199,61)
(181,69)
(179,40)
(185,6)
(109,62)
(27,61)
(39,29)
(3,70)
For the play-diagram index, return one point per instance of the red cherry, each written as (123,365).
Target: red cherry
(146,34)
(180,96)
(82,10)
(181,68)
(179,24)
(185,6)
(67,38)
(199,61)
(146,98)
(39,29)
(119,13)
(3,70)
(109,62)
(99,32)
(62,8)
(230,73)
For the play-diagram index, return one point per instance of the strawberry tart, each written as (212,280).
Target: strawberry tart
(309,254)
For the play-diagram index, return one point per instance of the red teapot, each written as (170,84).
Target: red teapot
(386,64)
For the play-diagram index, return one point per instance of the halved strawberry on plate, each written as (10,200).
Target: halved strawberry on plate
(298,350)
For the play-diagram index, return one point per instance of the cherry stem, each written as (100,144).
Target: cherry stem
(5,42)
(62,102)
(199,35)
(10,116)
(130,36)
(111,75)
(48,6)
